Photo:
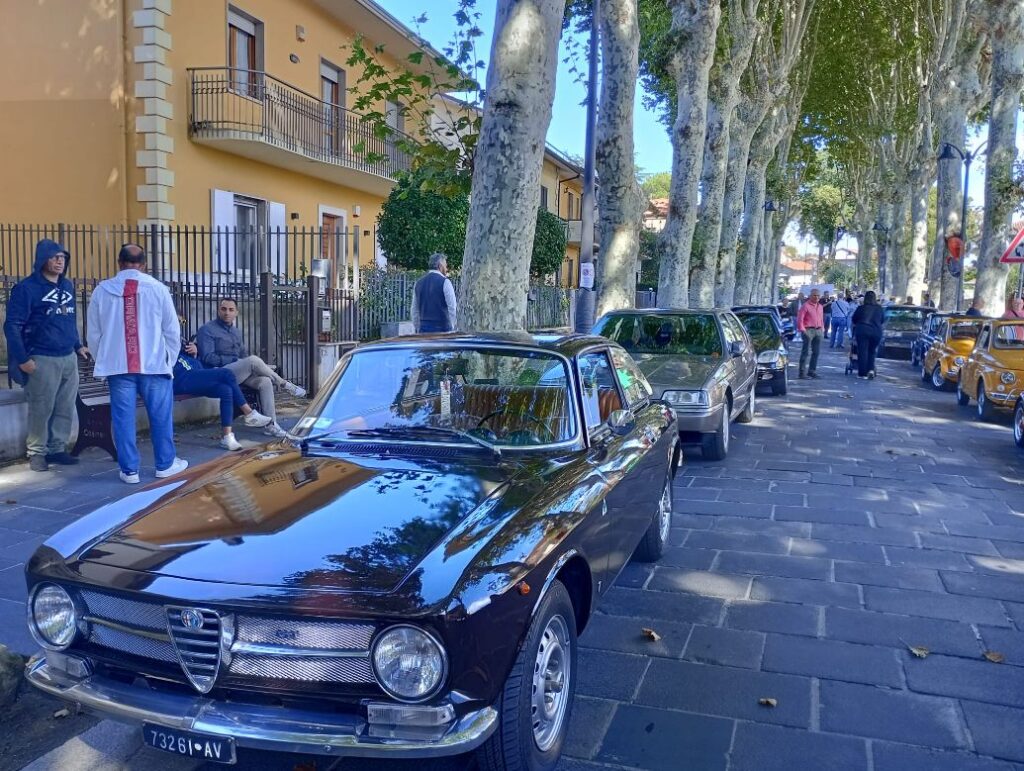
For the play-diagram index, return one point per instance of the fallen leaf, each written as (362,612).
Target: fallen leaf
(994,657)
(919,651)
(64,712)
(768,702)
(650,634)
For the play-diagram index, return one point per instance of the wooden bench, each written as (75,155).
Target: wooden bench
(95,422)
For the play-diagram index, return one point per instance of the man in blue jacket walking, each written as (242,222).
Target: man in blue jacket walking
(42,340)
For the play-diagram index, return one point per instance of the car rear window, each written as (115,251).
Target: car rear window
(903,319)
(965,330)
(691,334)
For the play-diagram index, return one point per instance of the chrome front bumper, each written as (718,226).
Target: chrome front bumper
(281,729)
(704,421)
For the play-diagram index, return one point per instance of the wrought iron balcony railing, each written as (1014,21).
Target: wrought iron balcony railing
(236,104)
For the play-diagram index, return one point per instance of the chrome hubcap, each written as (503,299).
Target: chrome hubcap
(1018,423)
(665,511)
(981,400)
(937,377)
(551,673)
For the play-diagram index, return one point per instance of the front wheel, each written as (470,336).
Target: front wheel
(938,381)
(780,385)
(536,704)
(961,398)
(985,411)
(655,539)
(747,416)
(716,446)
(1018,423)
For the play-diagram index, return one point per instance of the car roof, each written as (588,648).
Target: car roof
(666,311)
(564,343)
(924,308)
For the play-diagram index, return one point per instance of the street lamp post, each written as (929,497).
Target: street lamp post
(950,153)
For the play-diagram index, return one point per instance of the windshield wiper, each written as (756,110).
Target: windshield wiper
(407,431)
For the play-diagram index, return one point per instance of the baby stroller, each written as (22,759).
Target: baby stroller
(851,365)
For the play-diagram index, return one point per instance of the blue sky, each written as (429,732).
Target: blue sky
(653,149)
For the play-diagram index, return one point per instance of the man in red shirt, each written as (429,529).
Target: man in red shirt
(811,325)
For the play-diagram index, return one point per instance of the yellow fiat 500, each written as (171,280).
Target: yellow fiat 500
(994,372)
(954,340)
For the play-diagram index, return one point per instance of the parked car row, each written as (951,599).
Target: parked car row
(407,574)
(982,358)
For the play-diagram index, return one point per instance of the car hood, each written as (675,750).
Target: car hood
(276,518)
(667,371)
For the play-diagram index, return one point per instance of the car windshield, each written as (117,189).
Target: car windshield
(691,334)
(505,397)
(903,319)
(762,330)
(964,330)
(1010,336)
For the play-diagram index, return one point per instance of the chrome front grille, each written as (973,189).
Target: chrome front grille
(196,636)
(306,669)
(246,646)
(336,635)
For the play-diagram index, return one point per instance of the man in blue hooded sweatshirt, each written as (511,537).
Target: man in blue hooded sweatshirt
(42,340)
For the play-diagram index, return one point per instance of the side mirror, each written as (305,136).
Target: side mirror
(621,422)
(736,348)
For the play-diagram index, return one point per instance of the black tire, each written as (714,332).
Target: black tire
(961,398)
(938,381)
(513,746)
(926,376)
(914,358)
(985,409)
(1018,424)
(655,539)
(780,385)
(747,416)
(716,446)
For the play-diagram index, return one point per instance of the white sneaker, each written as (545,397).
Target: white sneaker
(275,430)
(130,479)
(228,442)
(293,389)
(256,420)
(174,468)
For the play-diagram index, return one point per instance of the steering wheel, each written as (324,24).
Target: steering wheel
(534,418)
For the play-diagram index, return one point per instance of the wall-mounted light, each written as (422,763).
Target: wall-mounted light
(294,215)
(294,58)
(300,33)
(366,232)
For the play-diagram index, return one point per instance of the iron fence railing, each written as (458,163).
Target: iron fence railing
(230,103)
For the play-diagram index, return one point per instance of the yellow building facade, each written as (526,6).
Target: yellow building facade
(201,113)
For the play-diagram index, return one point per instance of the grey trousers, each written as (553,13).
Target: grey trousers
(253,372)
(51,392)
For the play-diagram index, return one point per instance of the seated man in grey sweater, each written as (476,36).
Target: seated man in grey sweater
(220,345)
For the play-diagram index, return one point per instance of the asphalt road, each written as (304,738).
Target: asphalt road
(852,521)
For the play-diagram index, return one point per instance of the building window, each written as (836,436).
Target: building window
(245,52)
(572,205)
(332,94)
(250,223)
(543,198)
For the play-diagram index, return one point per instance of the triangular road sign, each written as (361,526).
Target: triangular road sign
(1015,251)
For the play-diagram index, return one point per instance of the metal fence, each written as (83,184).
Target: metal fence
(298,290)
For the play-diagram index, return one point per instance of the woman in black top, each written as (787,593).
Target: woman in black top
(867,328)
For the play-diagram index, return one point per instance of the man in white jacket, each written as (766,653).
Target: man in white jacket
(135,336)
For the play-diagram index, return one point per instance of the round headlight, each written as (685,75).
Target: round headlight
(959,361)
(409,663)
(53,616)
(1008,377)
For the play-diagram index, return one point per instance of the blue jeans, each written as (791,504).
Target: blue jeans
(158,397)
(217,383)
(838,328)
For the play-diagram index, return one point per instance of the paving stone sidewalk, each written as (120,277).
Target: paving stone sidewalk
(852,520)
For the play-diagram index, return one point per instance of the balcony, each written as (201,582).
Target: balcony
(255,115)
(574,232)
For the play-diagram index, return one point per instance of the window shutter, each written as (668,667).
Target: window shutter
(278,236)
(222,218)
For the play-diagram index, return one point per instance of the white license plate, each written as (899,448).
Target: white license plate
(214,749)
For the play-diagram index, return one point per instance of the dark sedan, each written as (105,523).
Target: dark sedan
(926,337)
(772,353)
(405,576)
(902,325)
